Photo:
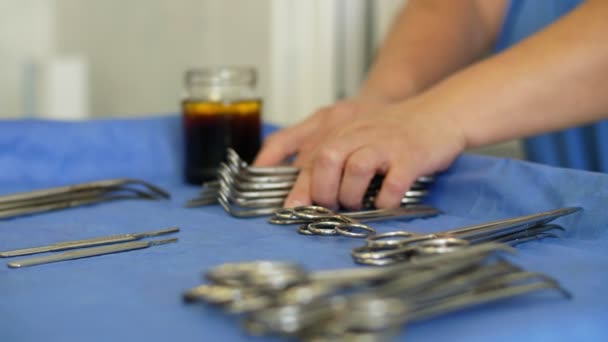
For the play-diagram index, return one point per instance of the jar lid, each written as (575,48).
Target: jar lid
(221,76)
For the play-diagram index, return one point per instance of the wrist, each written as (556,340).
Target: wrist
(446,124)
(389,90)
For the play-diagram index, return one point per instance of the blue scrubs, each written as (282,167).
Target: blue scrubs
(581,148)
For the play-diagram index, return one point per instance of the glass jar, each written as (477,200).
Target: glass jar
(220,110)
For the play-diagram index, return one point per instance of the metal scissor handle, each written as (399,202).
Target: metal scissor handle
(316,214)
(400,245)
(489,229)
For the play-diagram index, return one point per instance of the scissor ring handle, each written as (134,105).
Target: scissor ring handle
(312,212)
(285,213)
(238,274)
(303,229)
(407,247)
(280,221)
(389,239)
(347,228)
(323,227)
(371,256)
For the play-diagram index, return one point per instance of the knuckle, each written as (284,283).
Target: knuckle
(328,157)
(359,167)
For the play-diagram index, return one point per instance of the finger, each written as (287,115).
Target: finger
(300,192)
(327,169)
(276,148)
(396,182)
(332,118)
(309,149)
(359,170)
(280,145)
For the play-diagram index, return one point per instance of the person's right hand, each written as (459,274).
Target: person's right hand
(304,138)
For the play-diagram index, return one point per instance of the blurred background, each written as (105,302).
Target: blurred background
(79,59)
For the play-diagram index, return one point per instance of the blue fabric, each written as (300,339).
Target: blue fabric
(580,148)
(135,296)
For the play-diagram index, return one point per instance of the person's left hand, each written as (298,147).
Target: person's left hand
(404,141)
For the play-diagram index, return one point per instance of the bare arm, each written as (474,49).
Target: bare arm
(429,40)
(555,79)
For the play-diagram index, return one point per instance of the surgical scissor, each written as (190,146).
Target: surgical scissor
(399,246)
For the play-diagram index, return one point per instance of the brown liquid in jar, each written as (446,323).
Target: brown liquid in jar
(211,127)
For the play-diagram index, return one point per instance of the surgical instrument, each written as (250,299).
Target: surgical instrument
(240,187)
(105,240)
(88,252)
(313,213)
(283,298)
(273,276)
(341,225)
(263,194)
(399,246)
(81,194)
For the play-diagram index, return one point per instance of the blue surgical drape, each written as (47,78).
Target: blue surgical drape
(582,147)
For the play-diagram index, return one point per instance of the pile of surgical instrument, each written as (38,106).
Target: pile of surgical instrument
(247,191)
(316,220)
(394,246)
(364,304)
(25,203)
(98,246)
(398,246)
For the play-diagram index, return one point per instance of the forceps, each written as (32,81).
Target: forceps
(233,284)
(77,195)
(283,298)
(405,298)
(398,246)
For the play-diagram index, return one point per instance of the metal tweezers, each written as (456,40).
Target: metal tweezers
(25,203)
(117,243)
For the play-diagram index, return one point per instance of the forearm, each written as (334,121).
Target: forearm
(429,40)
(556,79)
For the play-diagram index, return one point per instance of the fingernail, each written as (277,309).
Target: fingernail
(293,203)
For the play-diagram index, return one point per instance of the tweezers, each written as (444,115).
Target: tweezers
(63,197)
(104,240)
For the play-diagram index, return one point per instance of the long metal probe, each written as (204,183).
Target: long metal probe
(104,240)
(89,252)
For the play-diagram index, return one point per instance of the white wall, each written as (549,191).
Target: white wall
(138,50)
(26,35)
(135,52)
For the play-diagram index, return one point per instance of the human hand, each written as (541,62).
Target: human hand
(404,141)
(303,139)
